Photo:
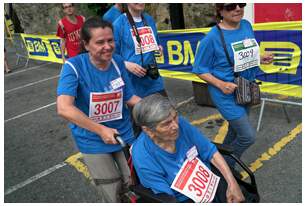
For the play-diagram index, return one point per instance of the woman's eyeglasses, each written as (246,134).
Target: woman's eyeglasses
(231,7)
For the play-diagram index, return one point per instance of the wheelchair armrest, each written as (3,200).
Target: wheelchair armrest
(148,195)
(228,150)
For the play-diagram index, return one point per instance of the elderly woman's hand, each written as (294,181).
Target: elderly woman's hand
(108,135)
(266,58)
(135,69)
(234,194)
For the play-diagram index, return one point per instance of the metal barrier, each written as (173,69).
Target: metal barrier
(264,100)
(21,50)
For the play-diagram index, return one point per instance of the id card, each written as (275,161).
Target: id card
(246,54)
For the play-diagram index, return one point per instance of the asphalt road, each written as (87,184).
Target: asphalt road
(37,142)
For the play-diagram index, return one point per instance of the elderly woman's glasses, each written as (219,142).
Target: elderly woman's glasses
(231,7)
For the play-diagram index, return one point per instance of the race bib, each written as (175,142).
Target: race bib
(105,106)
(147,38)
(246,54)
(196,181)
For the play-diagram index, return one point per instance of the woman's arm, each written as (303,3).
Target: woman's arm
(66,109)
(225,87)
(233,192)
(133,100)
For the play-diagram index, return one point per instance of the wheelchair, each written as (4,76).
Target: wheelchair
(146,195)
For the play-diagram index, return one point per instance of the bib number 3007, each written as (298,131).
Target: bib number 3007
(106,107)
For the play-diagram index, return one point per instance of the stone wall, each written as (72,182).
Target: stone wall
(37,18)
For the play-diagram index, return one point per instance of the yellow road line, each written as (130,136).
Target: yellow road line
(219,138)
(274,150)
(201,121)
(78,165)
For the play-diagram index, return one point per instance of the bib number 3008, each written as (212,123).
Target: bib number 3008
(198,182)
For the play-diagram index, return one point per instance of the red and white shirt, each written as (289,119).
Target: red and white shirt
(71,33)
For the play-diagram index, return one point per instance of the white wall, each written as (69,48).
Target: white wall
(249,12)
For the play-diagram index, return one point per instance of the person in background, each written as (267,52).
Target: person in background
(113,13)
(165,144)
(6,66)
(212,66)
(93,93)
(68,29)
(137,41)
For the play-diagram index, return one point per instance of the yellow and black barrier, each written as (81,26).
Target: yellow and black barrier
(284,39)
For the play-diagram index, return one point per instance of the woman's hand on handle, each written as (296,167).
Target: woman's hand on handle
(108,135)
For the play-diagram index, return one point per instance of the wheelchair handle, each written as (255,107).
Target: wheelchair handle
(119,140)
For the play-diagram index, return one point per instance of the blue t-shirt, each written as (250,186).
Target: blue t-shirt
(125,47)
(84,78)
(211,58)
(112,14)
(157,168)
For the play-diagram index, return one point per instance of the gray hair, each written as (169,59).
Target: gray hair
(151,110)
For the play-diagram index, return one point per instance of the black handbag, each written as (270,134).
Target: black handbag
(247,92)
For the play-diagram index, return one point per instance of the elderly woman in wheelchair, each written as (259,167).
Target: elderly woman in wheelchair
(172,157)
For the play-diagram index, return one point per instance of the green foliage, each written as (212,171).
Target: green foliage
(95,9)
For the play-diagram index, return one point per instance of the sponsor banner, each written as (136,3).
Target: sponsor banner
(43,47)
(9,26)
(283,39)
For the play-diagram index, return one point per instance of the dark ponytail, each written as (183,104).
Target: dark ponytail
(219,7)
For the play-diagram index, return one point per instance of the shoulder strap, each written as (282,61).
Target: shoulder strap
(236,74)
(134,28)
(224,46)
